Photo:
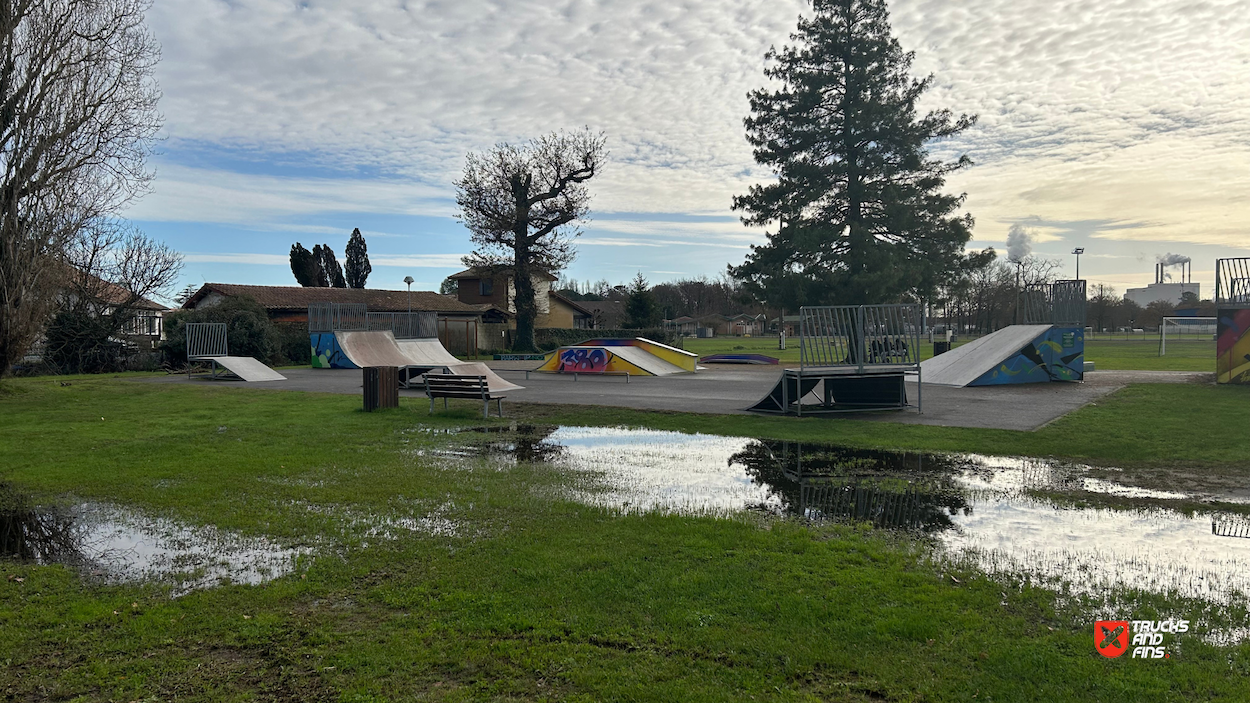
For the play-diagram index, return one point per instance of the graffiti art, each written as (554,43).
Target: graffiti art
(1232,347)
(1056,355)
(583,361)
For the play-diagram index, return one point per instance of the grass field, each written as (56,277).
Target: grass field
(533,597)
(1107,354)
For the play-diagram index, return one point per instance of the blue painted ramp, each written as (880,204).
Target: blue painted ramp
(1015,354)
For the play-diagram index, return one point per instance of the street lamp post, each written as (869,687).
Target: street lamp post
(408,280)
(1078,251)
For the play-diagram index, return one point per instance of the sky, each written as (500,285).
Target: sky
(1120,126)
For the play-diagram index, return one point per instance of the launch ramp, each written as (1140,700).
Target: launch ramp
(207,341)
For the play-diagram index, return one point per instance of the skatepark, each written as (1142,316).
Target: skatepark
(1018,378)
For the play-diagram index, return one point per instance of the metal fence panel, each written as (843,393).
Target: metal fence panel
(1232,283)
(405,325)
(332,317)
(859,335)
(1068,303)
(206,339)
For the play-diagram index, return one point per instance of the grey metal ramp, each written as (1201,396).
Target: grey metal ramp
(965,364)
(646,361)
(372,349)
(247,368)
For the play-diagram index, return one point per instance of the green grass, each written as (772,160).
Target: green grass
(1140,354)
(536,598)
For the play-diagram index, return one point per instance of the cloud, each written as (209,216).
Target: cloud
(234,258)
(422,261)
(1080,120)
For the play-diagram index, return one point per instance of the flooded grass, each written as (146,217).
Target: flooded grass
(117,544)
(546,569)
(1005,515)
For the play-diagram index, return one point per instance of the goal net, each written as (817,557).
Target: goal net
(1185,329)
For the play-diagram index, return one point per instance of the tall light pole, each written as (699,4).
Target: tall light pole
(408,280)
(1078,251)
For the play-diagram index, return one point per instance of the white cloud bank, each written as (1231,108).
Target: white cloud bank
(1132,112)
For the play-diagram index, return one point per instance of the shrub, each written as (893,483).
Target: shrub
(249,331)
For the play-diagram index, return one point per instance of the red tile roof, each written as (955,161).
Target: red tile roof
(298,298)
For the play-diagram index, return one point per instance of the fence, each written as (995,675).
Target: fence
(1061,303)
(860,335)
(1232,283)
(355,317)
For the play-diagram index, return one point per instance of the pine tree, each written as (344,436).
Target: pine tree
(640,308)
(857,205)
(305,266)
(357,266)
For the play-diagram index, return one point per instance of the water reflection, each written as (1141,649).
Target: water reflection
(121,544)
(888,489)
(1009,515)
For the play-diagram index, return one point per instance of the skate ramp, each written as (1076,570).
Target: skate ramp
(968,363)
(246,368)
(624,359)
(680,358)
(371,349)
(426,351)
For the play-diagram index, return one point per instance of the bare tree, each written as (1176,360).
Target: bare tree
(521,205)
(77,119)
(112,271)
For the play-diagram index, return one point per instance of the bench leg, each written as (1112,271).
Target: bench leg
(431,405)
(486,409)
(444,403)
(499,403)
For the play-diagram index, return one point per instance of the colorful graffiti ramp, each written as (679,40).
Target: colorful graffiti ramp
(620,356)
(1232,303)
(1014,354)
(354,350)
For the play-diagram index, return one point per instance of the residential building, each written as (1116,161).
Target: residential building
(486,291)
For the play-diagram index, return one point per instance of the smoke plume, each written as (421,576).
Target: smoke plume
(1172,259)
(1019,242)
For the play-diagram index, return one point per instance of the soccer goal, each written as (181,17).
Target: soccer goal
(1185,329)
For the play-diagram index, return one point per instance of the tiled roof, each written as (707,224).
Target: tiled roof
(577,305)
(298,298)
(475,273)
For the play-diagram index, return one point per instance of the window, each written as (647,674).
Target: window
(485,287)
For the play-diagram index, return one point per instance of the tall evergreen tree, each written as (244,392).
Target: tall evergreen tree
(305,266)
(640,308)
(357,268)
(857,205)
(331,272)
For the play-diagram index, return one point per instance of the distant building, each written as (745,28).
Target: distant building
(290,303)
(486,290)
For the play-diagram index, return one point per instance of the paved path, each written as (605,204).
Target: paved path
(729,389)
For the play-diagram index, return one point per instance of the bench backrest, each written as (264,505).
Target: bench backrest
(456,386)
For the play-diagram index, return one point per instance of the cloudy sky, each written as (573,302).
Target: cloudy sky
(1122,126)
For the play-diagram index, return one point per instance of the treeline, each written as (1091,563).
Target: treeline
(985,299)
(687,297)
(319,268)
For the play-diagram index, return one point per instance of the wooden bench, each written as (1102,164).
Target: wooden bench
(452,386)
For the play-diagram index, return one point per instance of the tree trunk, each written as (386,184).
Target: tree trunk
(523,285)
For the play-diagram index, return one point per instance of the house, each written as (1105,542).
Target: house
(289,304)
(144,330)
(684,325)
(607,314)
(484,290)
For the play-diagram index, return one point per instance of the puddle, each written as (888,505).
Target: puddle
(1005,515)
(122,545)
